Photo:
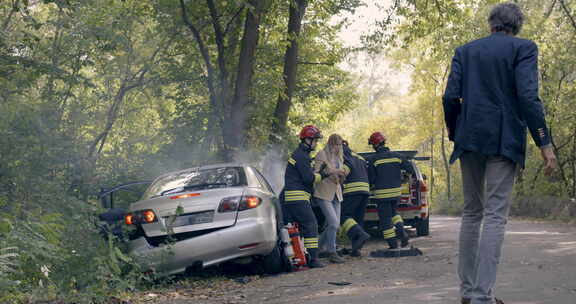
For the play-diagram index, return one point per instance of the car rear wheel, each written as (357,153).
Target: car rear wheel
(423,227)
(275,262)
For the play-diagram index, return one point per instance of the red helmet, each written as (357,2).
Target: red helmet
(310,131)
(376,139)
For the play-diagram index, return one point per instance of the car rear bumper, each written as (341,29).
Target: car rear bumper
(248,237)
(409,214)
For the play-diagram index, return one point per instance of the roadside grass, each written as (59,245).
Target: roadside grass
(538,209)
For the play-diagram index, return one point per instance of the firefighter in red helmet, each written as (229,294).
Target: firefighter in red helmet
(384,171)
(299,180)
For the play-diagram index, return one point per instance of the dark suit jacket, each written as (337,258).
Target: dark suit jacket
(492,96)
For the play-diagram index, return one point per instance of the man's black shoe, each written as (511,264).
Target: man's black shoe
(344,251)
(405,242)
(315,264)
(358,237)
(392,243)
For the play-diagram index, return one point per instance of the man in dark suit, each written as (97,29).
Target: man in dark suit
(490,99)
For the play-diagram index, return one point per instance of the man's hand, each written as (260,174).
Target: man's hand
(326,171)
(549,157)
(333,178)
(341,176)
(335,175)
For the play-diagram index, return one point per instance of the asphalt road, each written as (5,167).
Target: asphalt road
(538,266)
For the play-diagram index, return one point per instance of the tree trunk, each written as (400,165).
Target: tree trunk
(574,164)
(567,12)
(297,11)
(98,143)
(432,177)
(225,93)
(132,80)
(520,182)
(15,9)
(235,127)
(560,162)
(216,104)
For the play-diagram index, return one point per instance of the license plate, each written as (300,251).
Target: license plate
(192,219)
(371,216)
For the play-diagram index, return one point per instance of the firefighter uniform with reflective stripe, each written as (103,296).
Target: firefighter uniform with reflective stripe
(384,171)
(299,180)
(356,190)
(356,186)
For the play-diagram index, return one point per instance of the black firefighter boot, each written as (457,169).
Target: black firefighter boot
(392,243)
(314,261)
(402,234)
(358,238)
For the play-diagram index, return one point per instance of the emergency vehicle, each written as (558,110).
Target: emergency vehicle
(414,205)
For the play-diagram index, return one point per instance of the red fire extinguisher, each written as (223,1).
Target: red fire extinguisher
(297,254)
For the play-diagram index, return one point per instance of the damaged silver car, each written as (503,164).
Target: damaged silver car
(205,216)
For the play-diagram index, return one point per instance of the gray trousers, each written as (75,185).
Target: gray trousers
(331,211)
(487,184)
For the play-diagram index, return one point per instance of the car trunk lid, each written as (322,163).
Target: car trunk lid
(188,211)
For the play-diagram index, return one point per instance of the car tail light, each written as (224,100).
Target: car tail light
(249,202)
(143,216)
(129,219)
(229,204)
(184,195)
(239,203)
(149,216)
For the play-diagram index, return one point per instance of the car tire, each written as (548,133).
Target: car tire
(275,261)
(423,227)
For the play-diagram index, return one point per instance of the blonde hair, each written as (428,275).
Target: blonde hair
(334,143)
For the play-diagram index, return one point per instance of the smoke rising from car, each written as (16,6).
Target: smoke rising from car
(273,165)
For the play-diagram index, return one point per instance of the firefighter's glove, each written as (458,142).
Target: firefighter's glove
(324,171)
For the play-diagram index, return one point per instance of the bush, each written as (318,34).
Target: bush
(48,256)
(548,207)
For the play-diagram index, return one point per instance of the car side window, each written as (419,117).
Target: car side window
(253,180)
(263,181)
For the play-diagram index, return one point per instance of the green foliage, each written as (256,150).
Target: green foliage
(422,35)
(95,93)
(7,264)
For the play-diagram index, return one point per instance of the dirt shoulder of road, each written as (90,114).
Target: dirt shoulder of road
(538,266)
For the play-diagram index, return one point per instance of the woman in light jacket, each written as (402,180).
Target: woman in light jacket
(328,194)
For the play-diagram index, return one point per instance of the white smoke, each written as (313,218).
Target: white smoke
(273,165)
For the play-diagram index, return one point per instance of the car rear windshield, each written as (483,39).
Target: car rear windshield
(196,179)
